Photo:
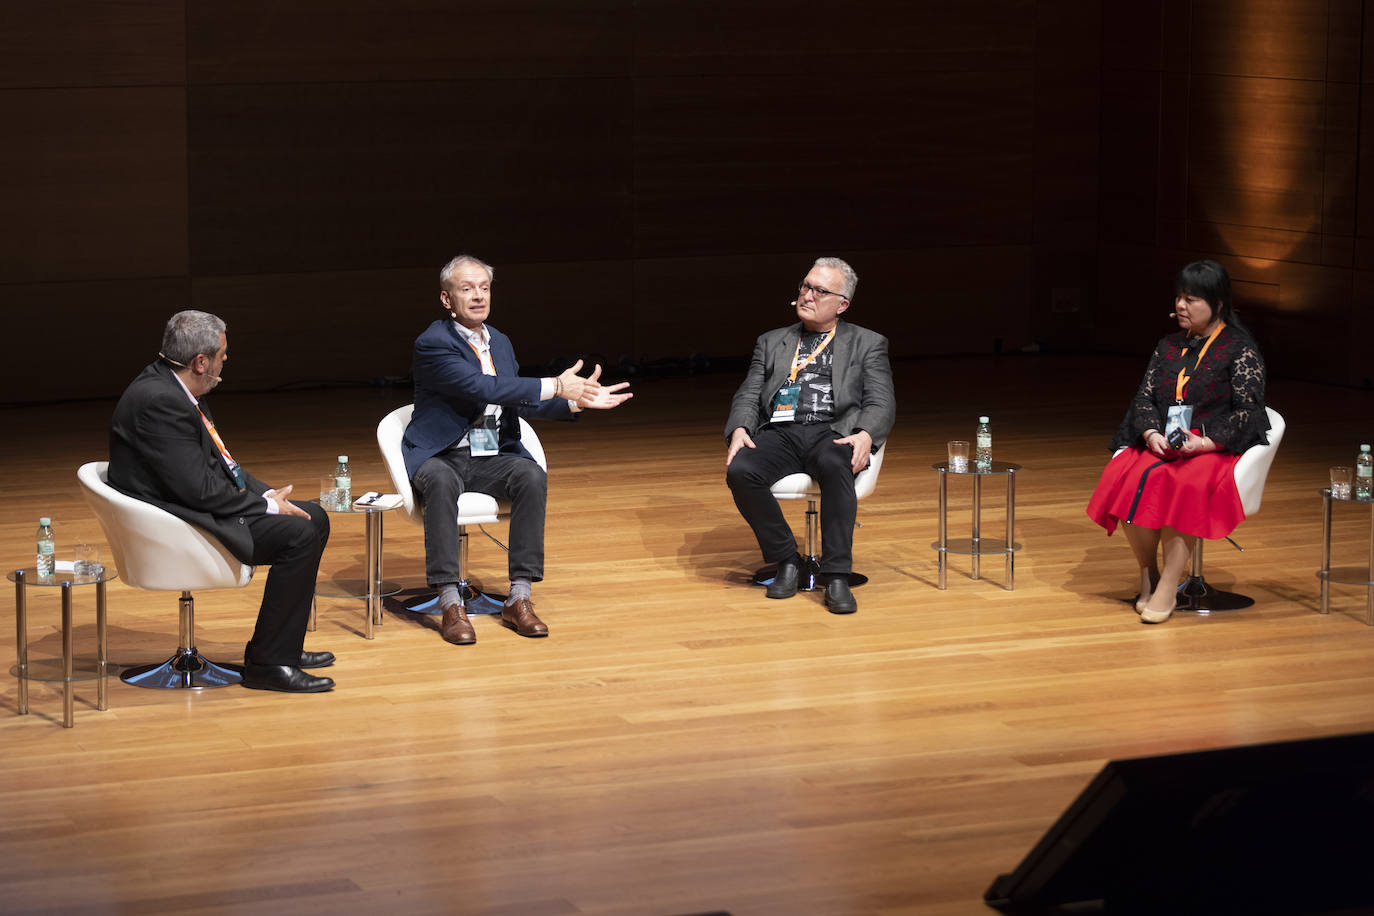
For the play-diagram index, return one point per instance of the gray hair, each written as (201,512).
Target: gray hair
(448,269)
(851,279)
(189,334)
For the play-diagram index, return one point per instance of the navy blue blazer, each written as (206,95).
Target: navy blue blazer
(451,393)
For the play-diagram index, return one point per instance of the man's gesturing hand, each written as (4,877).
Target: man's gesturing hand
(284,505)
(862,443)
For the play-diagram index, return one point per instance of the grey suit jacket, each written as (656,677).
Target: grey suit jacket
(860,376)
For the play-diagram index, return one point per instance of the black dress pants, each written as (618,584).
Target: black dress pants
(790,448)
(292,547)
(442,479)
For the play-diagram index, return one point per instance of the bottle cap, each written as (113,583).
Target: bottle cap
(343,459)
(45,521)
(982,419)
(1364,448)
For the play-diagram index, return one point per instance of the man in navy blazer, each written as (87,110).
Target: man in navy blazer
(465,435)
(165,450)
(817,399)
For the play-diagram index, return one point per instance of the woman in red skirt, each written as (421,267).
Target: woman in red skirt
(1199,406)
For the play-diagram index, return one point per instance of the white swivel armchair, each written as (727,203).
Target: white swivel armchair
(1251,471)
(155,550)
(472,508)
(802,486)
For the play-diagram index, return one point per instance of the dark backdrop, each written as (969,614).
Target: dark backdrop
(652,177)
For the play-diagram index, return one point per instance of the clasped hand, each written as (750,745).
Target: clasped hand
(284,505)
(1193,446)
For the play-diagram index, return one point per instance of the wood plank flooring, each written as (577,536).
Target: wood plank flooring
(680,743)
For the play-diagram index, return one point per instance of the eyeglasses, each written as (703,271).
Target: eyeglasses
(803,287)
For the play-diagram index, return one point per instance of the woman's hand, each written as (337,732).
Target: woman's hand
(1156,443)
(1196,445)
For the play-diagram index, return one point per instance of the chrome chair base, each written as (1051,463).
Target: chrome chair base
(810,579)
(1197,596)
(187,670)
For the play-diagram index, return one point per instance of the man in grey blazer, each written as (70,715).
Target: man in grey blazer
(817,399)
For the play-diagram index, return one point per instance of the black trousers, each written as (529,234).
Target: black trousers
(442,479)
(292,547)
(790,448)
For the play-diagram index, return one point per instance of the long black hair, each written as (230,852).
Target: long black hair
(1209,280)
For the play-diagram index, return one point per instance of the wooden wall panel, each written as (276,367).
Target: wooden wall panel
(1261,138)
(1286,39)
(92,184)
(804,163)
(386,40)
(376,175)
(811,37)
(1130,145)
(91,43)
(117,327)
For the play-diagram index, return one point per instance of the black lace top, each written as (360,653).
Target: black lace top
(1226,391)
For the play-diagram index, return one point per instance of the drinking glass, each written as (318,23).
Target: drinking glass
(86,562)
(329,494)
(1340,482)
(958,456)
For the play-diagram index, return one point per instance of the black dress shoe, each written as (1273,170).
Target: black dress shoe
(317,659)
(784,584)
(286,678)
(838,598)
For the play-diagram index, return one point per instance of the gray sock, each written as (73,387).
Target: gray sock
(519,588)
(448,594)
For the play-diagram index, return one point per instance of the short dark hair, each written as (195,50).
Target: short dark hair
(1208,280)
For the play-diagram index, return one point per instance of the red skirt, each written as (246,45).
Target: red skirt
(1195,496)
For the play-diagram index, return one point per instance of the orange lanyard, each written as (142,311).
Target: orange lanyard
(219,443)
(484,358)
(1182,381)
(810,359)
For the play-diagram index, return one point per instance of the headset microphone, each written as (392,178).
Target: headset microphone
(1173,314)
(793,303)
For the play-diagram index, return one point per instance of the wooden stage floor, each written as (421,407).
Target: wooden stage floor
(680,743)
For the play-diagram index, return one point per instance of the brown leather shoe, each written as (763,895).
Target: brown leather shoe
(456,628)
(520,618)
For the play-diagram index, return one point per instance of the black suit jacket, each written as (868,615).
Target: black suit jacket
(161,453)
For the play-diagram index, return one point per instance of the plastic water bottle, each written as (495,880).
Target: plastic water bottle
(343,484)
(982,456)
(1364,474)
(47,549)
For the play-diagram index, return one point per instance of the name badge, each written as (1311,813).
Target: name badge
(1180,417)
(785,404)
(482,438)
(237,471)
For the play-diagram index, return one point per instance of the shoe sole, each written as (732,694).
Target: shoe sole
(322,689)
(842,610)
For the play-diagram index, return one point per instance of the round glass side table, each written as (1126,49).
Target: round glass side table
(68,672)
(1346,575)
(371,589)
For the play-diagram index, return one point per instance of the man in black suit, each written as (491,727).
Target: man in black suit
(817,399)
(165,450)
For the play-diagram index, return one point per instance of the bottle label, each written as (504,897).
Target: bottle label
(342,482)
(985,441)
(46,547)
(1364,470)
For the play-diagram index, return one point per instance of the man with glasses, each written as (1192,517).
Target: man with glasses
(817,399)
(465,435)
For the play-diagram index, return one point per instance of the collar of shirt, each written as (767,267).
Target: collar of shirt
(185,389)
(478,338)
